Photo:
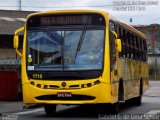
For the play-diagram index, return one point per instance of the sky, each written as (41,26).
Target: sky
(142,12)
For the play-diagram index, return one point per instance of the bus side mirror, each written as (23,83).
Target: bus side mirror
(118,45)
(16,40)
(117,42)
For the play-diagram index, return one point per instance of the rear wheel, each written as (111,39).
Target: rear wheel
(137,101)
(50,109)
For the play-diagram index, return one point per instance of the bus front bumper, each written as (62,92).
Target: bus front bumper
(100,93)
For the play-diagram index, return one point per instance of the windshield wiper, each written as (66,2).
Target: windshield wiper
(54,38)
(80,41)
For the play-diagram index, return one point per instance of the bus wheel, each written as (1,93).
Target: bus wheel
(116,106)
(50,109)
(114,109)
(137,101)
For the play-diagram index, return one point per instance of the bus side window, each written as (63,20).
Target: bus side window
(146,45)
(112,50)
(142,50)
(112,45)
(145,49)
(124,44)
(135,49)
(132,46)
(112,26)
(128,45)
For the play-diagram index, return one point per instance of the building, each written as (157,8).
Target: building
(153,34)
(9,22)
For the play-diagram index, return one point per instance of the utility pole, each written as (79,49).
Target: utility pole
(155,75)
(20,5)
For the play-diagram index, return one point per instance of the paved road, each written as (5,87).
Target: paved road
(151,102)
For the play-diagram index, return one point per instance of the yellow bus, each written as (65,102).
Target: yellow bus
(81,57)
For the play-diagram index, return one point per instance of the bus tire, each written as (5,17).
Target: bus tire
(110,108)
(50,109)
(138,100)
(116,106)
(114,109)
(121,91)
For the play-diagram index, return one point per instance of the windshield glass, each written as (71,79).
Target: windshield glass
(66,49)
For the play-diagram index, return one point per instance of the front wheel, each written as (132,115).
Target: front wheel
(115,108)
(111,108)
(50,109)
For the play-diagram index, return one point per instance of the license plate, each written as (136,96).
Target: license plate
(64,94)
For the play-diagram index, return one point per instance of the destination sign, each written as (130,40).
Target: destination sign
(71,19)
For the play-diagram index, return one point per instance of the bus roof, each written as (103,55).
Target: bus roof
(68,11)
(128,27)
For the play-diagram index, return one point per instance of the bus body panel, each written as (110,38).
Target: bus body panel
(131,72)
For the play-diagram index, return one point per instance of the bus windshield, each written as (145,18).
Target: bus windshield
(65,49)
